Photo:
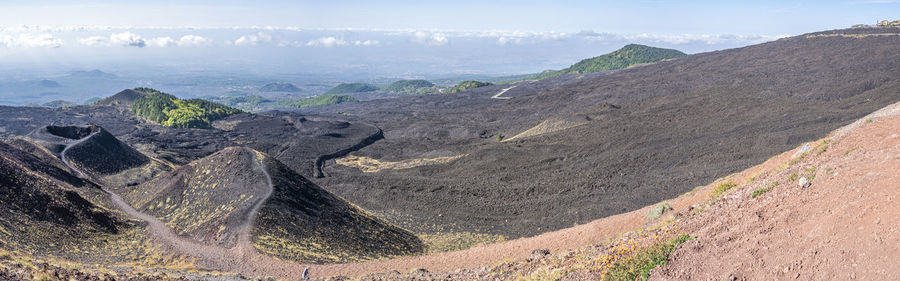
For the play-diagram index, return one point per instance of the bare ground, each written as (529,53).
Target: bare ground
(842,227)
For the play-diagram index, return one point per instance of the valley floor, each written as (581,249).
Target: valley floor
(822,211)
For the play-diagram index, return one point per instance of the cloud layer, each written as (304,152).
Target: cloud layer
(292,37)
(29,40)
(128,39)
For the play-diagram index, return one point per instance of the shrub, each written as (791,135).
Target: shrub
(793,177)
(759,191)
(658,210)
(721,189)
(639,266)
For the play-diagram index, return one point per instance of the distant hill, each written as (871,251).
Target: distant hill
(124,98)
(59,103)
(625,57)
(466,85)
(352,88)
(323,100)
(170,111)
(49,84)
(211,200)
(409,87)
(279,87)
(246,101)
(91,101)
(96,73)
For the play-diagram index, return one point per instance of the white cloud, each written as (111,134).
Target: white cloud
(366,43)
(253,39)
(161,42)
(327,42)
(94,41)
(28,40)
(430,38)
(127,39)
(331,41)
(193,41)
(709,39)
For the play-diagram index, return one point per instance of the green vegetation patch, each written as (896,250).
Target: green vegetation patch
(631,54)
(411,87)
(721,189)
(759,191)
(352,88)
(323,100)
(467,85)
(658,210)
(638,266)
(170,111)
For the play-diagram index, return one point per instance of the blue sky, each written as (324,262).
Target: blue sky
(732,17)
(394,38)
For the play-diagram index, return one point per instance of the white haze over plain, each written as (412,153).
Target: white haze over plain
(297,50)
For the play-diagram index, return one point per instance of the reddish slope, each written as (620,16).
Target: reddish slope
(843,227)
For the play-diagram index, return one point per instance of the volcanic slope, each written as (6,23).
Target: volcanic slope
(125,98)
(821,211)
(90,148)
(645,134)
(48,211)
(238,194)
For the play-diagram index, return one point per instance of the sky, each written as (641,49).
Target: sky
(640,16)
(394,38)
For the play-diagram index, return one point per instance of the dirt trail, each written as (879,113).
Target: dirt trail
(244,244)
(498,95)
(62,155)
(244,258)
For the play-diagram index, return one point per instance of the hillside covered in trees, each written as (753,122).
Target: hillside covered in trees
(323,100)
(170,111)
(625,57)
(465,85)
(352,88)
(411,87)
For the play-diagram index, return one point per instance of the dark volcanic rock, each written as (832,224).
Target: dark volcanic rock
(45,208)
(90,148)
(679,124)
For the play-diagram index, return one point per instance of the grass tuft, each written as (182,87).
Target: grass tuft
(638,266)
(721,189)
(759,191)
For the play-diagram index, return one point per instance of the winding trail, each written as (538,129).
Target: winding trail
(498,95)
(245,259)
(242,258)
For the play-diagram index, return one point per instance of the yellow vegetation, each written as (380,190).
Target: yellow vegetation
(370,165)
(453,241)
(546,127)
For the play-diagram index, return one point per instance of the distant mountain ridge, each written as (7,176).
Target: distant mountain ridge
(345,88)
(408,86)
(279,87)
(630,55)
(466,85)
